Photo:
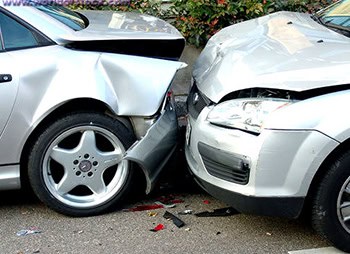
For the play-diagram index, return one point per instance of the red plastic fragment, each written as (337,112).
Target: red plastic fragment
(164,202)
(158,228)
(207,202)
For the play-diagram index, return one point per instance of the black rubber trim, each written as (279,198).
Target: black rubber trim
(169,49)
(280,207)
(9,164)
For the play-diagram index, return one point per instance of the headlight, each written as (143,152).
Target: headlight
(245,114)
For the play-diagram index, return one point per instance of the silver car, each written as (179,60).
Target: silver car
(85,103)
(268,131)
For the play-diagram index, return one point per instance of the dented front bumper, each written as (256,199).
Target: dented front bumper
(153,151)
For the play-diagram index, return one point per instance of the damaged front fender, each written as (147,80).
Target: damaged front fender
(155,148)
(137,81)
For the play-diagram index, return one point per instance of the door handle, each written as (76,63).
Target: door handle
(5,78)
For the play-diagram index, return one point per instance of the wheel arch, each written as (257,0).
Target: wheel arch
(80,104)
(323,169)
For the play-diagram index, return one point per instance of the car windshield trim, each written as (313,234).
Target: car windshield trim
(64,15)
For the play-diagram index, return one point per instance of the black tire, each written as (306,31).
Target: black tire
(75,165)
(327,216)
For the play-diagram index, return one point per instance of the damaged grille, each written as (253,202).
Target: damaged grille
(195,102)
(229,167)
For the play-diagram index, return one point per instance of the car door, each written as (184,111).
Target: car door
(8,84)
(16,38)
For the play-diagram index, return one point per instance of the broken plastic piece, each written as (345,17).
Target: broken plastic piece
(228,211)
(179,223)
(207,202)
(185,212)
(158,228)
(31,230)
(152,214)
(164,205)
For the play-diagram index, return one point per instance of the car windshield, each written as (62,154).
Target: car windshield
(64,15)
(336,16)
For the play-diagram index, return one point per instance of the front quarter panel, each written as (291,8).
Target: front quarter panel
(139,83)
(57,75)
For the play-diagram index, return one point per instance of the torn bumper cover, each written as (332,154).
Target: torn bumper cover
(153,151)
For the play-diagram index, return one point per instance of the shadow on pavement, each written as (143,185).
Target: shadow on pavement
(17,197)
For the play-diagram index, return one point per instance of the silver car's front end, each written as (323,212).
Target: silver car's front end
(263,108)
(267,173)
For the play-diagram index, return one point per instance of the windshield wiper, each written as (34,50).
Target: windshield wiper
(340,29)
(315,18)
(318,19)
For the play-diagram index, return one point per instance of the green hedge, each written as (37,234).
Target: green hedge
(198,20)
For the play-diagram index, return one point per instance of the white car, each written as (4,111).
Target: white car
(85,103)
(268,130)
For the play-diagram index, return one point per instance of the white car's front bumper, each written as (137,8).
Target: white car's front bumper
(268,174)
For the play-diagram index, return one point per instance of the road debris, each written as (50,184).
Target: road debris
(228,211)
(31,230)
(169,216)
(165,205)
(207,202)
(186,212)
(152,214)
(163,202)
(78,231)
(158,228)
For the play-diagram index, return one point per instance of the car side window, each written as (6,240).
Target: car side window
(15,35)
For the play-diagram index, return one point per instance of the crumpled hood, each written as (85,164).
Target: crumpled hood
(284,50)
(124,25)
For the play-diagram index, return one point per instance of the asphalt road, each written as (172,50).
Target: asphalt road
(129,232)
